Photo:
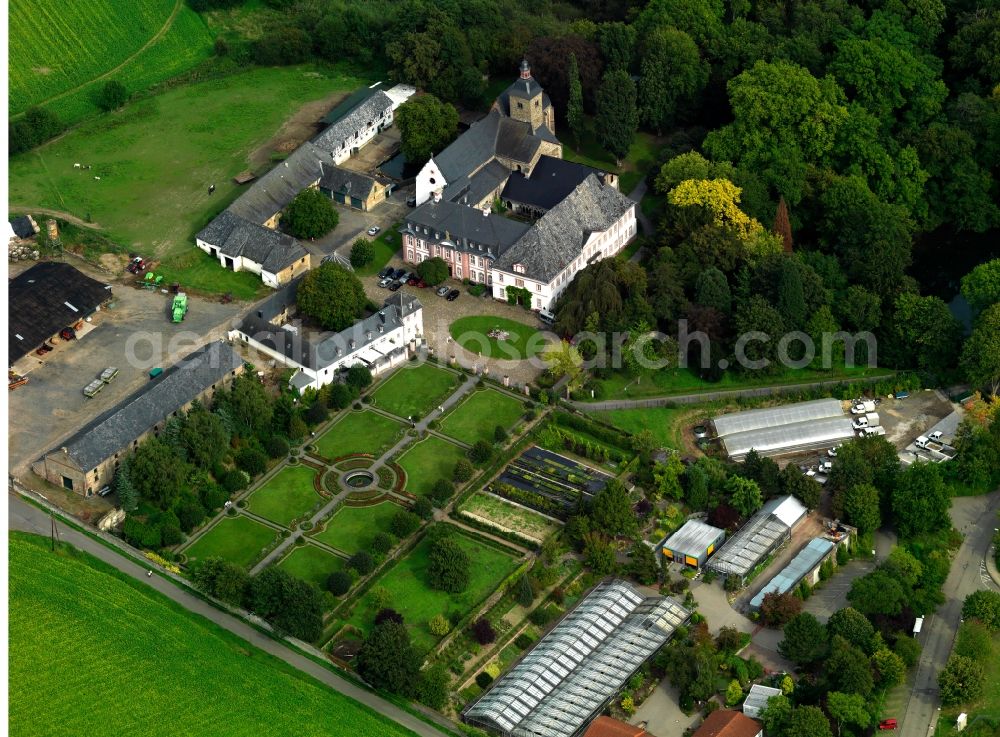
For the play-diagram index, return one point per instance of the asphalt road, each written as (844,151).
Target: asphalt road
(976,518)
(28,518)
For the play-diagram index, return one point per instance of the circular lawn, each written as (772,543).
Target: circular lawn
(511,340)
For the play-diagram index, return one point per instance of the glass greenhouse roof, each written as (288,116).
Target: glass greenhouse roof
(757,419)
(798,435)
(753,542)
(806,560)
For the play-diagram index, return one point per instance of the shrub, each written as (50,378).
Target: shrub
(542,616)
(463,471)
(362,562)
(423,508)
(481,452)
(483,679)
(523,641)
(438,625)
(362,253)
(358,377)
(448,566)
(382,543)
(317,413)
(442,491)
(483,631)
(499,434)
(234,480)
(111,96)
(404,524)
(252,460)
(388,615)
(276,446)
(339,583)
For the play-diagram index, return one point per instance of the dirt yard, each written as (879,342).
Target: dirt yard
(297,129)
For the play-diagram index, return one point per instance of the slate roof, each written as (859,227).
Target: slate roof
(235,237)
(472,190)
(350,102)
(559,235)
(345,181)
(46,298)
(407,304)
(356,337)
(360,116)
(551,181)
(178,385)
(22,226)
(516,141)
(274,190)
(464,227)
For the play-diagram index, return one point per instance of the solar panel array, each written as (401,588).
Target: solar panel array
(789,576)
(561,684)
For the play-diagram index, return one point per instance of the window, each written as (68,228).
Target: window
(458,272)
(538,287)
(520,106)
(500,278)
(519,282)
(409,255)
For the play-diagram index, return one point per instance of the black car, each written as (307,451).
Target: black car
(395,286)
(398,273)
(387,271)
(453,295)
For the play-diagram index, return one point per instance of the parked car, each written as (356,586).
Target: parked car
(442,291)
(547,317)
(398,274)
(385,281)
(411,201)
(936,435)
(394,287)
(902,395)
(374,230)
(453,295)
(887,724)
(387,271)
(832,452)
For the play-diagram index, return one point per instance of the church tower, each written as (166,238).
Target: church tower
(526,100)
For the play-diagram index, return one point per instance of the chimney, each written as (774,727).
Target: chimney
(437,196)
(381,328)
(369,335)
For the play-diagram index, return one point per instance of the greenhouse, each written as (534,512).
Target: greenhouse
(758,538)
(580,665)
(806,562)
(798,436)
(692,543)
(787,414)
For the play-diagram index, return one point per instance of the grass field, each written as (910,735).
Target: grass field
(353,528)
(359,432)
(386,246)
(156,158)
(427,461)
(311,564)
(471,333)
(982,713)
(661,421)
(414,391)
(287,495)
(511,516)
(95,653)
(478,416)
(237,539)
(417,602)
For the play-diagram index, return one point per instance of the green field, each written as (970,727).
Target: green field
(661,421)
(359,432)
(59,52)
(95,653)
(417,602)
(982,713)
(427,461)
(353,528)
(311,564)
(286,496)
(471,333)
(414,391)
(237,539)
(386,245)
(510,516)
(157,156)
(478,416)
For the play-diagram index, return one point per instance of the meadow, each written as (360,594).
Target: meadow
(287,495)
(93,652)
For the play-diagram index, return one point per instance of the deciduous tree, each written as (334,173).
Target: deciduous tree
(332,296)
(961,681)
(362,253)
(310,215)
(426,125)
(387,659)
(981,352)
(804,641)
(448,565)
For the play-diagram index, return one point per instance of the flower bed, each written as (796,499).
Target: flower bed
(386,477)
(353,464)
(400,479)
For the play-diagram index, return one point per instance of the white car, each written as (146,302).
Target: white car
(936,435)
(374,230)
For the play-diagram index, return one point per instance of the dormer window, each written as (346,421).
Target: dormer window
(518,268)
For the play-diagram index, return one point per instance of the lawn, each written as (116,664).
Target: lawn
(478,416)
(684,381)
(386,246)
(353,528)
(58,50)
(359,432)
(427,461)
(661,421)
(311,564)
(157,156)
(987,708)
(199,272)
(510,516)
(93,652)
(286,496)
(641,157)
(524,341)
(414,391)
(237,539)
(417,602)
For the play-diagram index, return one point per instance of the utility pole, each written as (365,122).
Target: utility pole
(54,534)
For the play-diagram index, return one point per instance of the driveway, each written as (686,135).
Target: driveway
(832,595)
(354,224)
(134,335)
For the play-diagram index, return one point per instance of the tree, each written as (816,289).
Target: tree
(782,226)
(448,565)
(252,460)
(463,471)
(340,396)
(617,42)
(289,604)
(854,627)
(423,508)
(574,107)
(383,542)
(388,615)
(734,693)
(481,452)
(961,681)
(617,116)
(404,524)
(849,709)
(276,446)
(523,594)
(362,562)
(438,625)
(157,473)
(433,270)
(426,125)
(338,583)
(644,442)
(310,215)
(247,403)
(550,56)
(362,253)
(442,491)
(981,352)
(877,593)
(387,659)
(889,667)
(848,669)
(668,478)
(744,495)
(981,286)
(804,488)
(712,290)
(984,606)
(805,640)
(221,579)
(128,496)
(611,510)
(483,631)
(806,720)
(672,74)
(775,714)
(282,44)
(920,501)
(433,686)
(643,565)
(924,333)
(598,554)
(907,648)
(332,296)
(776,609)
(111,96)
(37,126)
(860,504)
(358,377)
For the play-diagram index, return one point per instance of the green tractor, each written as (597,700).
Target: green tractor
(180,306)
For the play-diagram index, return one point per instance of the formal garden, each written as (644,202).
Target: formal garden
(287,496)
(415,391)
(359,432)
(429,460)
(312,564)
(238,540)
(353,529)
(477,417)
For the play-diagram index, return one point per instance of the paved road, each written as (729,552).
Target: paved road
(976,518)
(23,516)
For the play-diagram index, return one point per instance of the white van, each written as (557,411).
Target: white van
(547,317)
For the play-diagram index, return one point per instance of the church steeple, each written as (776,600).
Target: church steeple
(525,69)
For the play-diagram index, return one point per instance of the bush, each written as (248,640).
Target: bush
(276,446)
(463,471)
(281,46)
(252,460)
(423,508)
(483,679)
(448,566)
(542,615)
(481,452)
(483,631)
(37,126)
(523,641)
(442,491)
(234,480)
(362,253)
(358,377)
(438,626)
(111,96)
(213,497)
(382,543)
(362,562)
(404,524)
(339,583)
(340,396)
(388,615)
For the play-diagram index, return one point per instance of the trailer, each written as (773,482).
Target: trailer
(179,307)
(93,388)
(108,374)
(14,380)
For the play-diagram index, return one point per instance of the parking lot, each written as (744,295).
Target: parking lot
(135,334)
(905,419)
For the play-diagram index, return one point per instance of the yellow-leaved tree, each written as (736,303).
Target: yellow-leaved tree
(720,198)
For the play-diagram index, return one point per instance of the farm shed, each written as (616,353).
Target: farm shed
(45,299)
(788,428)
(803,567)
(757,699)
(758,538)
(575,670)
(692,544)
